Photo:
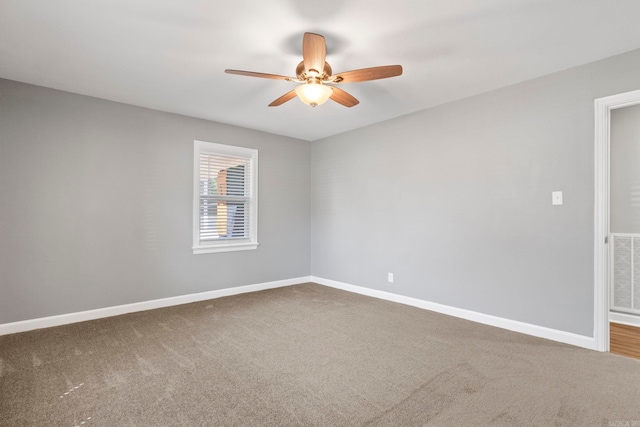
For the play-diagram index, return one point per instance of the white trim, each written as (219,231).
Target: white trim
(64,319)
(603,108)
(512,325)
(625,319)
(625,234)
(486,319)
(229,247)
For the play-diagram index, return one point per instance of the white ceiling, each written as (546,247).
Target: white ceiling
(170,55)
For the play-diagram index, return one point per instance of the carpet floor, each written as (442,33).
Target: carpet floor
(306,355)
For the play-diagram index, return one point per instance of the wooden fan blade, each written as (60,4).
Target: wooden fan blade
(314,52)
(284,98)
(366,74)
(344,98)
(254,74)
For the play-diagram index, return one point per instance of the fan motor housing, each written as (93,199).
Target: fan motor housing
(304,75)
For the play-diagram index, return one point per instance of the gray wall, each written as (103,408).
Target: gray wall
(96,205)
(456,200)
(625,170)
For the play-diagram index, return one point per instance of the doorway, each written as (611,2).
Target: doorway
(603,259)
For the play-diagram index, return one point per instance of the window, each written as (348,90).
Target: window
(225,198)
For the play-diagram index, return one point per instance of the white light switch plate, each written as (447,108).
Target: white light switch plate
(556,197)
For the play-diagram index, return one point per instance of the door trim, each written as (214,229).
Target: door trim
(603,108)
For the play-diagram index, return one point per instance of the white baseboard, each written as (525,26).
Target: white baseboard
(64,319)
(512,325)
(625,319)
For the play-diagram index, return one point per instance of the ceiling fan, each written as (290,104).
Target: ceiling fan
(315,74)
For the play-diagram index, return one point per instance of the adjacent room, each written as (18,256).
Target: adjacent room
(364,213)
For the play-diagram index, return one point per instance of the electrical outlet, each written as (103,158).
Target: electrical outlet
(390,277)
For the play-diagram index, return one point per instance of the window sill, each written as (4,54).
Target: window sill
(228,247)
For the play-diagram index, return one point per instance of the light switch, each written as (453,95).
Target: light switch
(556,197)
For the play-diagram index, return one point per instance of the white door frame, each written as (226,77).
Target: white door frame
(603,108)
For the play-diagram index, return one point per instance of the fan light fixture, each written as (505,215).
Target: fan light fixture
(314,93)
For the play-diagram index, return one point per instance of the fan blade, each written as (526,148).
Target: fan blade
(314,52)
(284,98)
(254,74)
(366,74)
(344,98)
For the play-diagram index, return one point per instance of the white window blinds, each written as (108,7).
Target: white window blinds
(226,201)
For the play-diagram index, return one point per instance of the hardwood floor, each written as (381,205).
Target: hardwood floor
(624,340)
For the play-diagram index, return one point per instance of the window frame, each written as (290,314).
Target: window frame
(225,245)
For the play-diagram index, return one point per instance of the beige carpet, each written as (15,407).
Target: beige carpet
(306,355)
